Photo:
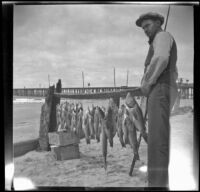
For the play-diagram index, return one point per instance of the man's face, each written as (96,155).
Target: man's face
(150,27)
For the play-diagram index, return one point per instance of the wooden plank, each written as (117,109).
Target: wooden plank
(62,138)
(103,95)
(23,147)
(65,152)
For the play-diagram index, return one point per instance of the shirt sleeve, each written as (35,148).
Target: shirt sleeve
(162,45)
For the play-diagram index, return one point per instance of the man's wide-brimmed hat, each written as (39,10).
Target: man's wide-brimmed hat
(150,15)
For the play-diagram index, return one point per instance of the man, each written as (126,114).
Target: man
(159,86)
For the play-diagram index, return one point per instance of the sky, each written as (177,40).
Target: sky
(63,41)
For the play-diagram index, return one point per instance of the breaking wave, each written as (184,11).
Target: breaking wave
(28,100)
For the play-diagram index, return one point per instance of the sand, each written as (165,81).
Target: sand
(43,170)
(88,171)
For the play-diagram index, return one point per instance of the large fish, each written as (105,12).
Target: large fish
(104,137)
(119,126)
(91,122)
(125,129)
(73,121)
(109,124)
(104,148)
(85,126)
(132,135)
(58,117)
(79,124)
(66,115)
(111,117)
(135,113)
(97,124)
(76,118)
(61,119)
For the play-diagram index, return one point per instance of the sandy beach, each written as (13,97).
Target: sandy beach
(43,170)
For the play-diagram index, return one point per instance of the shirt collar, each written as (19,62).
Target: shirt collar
(152,38)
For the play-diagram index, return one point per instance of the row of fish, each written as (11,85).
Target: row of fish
(85,123)
(105,121)
(130,120)
(125,121)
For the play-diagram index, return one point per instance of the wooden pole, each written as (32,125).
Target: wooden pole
(83,78)
(114,78)
(49,80)
(58,90)
(46,120)
(167,18)
(52,121)
(127,78)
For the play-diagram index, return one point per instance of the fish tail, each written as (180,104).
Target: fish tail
(111,142)
(88,141)
(122,142)
(104,148)
(105,164)
(137,157)
(145,136)
(98,139)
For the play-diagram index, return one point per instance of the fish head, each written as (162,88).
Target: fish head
(119,112)
(85,118)
(80,112)
(111,102)
(96,112)
(58,107)
(73,117)
(131,112)
(72,105)
(130,101)
(101,112)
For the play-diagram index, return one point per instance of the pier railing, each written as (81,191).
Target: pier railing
(42,92)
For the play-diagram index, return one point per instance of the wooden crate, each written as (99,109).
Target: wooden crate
(65,152)
(63,138)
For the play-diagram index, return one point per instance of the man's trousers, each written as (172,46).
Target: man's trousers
(160,103)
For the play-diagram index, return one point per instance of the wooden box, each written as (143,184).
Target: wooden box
(65,152)
(63,138)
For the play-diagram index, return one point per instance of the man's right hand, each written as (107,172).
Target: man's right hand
(145,90)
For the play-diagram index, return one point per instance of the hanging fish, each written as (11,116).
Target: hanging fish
(111,120)
(80,132)
(104,137)
(85,126)
(58,117)
(132,135)
(109,124)
(119,126)
(91,122)
(61,126)
(125,129)
(73,121)
(104,148)
(97,124)
(136,115)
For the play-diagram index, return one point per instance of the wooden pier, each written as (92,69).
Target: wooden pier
(42,92)
(185,90)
